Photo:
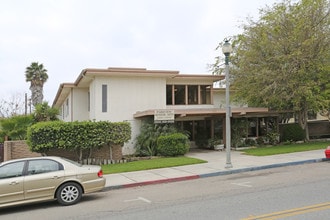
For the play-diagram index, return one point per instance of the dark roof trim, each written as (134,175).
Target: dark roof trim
(208,111)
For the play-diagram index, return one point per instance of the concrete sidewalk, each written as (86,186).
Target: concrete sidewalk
(214,167)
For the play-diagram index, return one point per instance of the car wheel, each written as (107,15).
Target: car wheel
(69,194)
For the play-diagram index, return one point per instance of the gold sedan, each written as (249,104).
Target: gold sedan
(39,179)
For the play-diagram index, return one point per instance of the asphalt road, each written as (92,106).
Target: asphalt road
(294,192)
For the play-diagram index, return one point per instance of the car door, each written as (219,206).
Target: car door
(11,182)
(42,178)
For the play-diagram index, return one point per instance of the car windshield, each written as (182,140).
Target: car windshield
(71,161)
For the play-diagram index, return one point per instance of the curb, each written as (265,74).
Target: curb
(151,182)
(220,173)
(227,172)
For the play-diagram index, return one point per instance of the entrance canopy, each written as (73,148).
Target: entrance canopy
(236,112)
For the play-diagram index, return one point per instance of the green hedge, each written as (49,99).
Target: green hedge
(172,145)
(293,132)
(44,136)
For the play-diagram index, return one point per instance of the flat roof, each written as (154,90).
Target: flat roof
(245,111)
(87,75)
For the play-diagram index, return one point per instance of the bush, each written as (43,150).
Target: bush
(293,132)
(172,145)
(273,138)
(250,142)
(147,140)
(15,127)
(260,141)
(79,136)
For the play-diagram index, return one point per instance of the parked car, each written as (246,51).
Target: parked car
(39,179)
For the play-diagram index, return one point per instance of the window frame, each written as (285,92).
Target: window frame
(193,94)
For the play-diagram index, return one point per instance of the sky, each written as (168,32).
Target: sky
(67,36)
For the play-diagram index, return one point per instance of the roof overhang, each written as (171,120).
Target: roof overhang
(62,92)
(199,77)
(87,76)
(236,112)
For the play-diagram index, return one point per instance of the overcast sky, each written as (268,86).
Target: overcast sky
(67,36)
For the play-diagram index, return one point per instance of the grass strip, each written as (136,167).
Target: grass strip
(284,149)
(150,164)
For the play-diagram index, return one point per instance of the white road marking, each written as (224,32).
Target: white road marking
(245,184)
(138,199)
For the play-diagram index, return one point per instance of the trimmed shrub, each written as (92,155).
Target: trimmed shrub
(76,136)
(147,140)
(172,145)
(293,132)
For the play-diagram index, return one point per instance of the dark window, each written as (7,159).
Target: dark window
(205,94)
(43,166)
(67,107)
(169,95)
(104,98)
(180,94)
(12,170)
(89,101)
(253,126)
(188,94)
(192,95)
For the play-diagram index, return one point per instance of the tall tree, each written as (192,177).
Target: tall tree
(282,61)
(36,74)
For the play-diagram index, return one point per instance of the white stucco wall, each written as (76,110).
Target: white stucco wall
(219,100)
(75,106)
(80,105)
(126,96)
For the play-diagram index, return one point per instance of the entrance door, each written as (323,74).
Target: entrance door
(200,131)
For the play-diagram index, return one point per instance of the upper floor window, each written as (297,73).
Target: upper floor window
(179,94)
(89,101)
(205,94)
(66,107)
(192,95)
(188,94)
(104,98)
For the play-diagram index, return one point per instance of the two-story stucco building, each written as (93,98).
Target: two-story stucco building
(134,94)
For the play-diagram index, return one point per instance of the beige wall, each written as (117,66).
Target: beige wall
(79,105)
(16,150)
(219,99)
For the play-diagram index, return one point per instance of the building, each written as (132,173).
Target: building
(135,94)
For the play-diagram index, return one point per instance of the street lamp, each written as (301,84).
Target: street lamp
(226,50)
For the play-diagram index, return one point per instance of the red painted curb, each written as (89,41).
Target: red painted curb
(169,180)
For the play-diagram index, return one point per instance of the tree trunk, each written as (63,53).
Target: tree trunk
(37,94)
(303,120)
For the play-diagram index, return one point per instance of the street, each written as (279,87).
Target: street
(293,192)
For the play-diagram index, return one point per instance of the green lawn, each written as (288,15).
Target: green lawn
(290,148)
(181,161)
(150,164)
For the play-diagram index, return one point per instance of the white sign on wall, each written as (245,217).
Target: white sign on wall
(164,116)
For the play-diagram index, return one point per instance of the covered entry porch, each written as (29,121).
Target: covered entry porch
(204,125)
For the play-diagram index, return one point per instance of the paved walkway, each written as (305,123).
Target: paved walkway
(214,167)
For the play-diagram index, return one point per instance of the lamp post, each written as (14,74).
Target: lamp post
(226,50)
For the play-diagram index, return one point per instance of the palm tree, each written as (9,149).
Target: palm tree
(37,75)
